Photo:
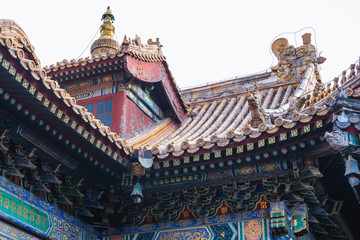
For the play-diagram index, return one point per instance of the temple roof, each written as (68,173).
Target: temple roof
(242,108)
(143,62)
(23,63)
(219,113)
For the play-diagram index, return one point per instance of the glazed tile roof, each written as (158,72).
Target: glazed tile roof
(16,43)
(220,120)
(109,62)
(220,113)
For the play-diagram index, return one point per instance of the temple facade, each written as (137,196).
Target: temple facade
(108,147)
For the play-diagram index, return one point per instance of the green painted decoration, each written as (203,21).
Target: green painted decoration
(24,212)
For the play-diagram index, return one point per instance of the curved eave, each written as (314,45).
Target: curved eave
(154,135)
(247,136)
(21,77)
(253,150)
(75,69)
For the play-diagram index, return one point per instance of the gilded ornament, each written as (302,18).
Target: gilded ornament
(106,43)
(292,61)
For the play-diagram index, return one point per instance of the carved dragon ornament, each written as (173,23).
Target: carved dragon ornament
(292,62)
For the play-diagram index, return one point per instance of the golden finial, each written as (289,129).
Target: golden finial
(107,30)
(106,44)
(108,12)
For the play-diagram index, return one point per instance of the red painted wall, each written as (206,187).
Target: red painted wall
(153,72)
(131,119)
(127,118)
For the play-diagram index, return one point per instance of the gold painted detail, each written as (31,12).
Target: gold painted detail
(261,143)
(18,77)
(32,90)
(66,119)
(250,146)
(46,102)
(53,108)
(319,124)
(59,114)
(109,152)
(307,128)
(39,96)
(166,164)
(25,84)
(229,151)
(294,133)
(240,149)
(283,136)
(138,169)
(176,162)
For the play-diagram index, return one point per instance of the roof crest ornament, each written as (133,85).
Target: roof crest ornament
(147,52)
(258,115)
(106,43)
(292,62)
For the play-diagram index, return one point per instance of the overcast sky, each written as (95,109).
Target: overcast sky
(204,41)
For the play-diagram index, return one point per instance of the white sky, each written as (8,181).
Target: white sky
(204,41)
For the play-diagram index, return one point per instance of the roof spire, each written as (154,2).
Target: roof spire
(106,42)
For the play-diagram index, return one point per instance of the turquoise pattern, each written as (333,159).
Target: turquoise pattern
(254,229)
(61,224)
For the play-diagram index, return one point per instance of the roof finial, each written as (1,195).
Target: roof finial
(107,30)
(108,13)
(106,43)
